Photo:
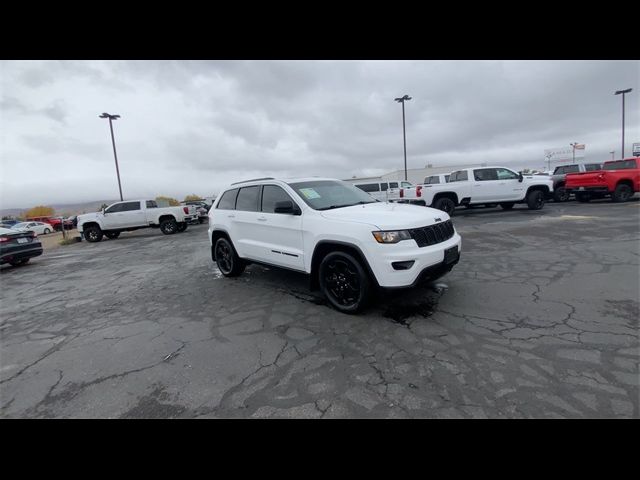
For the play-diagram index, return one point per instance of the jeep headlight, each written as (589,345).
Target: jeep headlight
(391,236)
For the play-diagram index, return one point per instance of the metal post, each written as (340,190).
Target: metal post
(623,94)
(404,135)
(116,157)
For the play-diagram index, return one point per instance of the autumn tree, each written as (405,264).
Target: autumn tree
(39,211)
(171,201)
(192,197)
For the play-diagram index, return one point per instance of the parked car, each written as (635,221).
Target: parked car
(348,242)
(380,189)
(481,186)
(17,247)
(560,193)
(618,179)
(40,228)
(133,215)
(202,209)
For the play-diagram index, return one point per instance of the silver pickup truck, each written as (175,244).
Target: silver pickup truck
(559,177)
(133,215)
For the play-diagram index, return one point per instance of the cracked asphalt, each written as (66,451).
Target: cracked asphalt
(539,319)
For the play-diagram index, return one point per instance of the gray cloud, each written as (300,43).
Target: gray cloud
(195,125)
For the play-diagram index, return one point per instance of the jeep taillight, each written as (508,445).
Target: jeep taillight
(186,210)
(418,191)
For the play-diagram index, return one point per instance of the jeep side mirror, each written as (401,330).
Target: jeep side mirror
(287,206)
(520,177)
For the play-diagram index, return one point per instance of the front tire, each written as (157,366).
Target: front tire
(228,261)
(560,194)
(169,226)
(344,282)
(535,200)
(445,204)
(622,193)
(93,234)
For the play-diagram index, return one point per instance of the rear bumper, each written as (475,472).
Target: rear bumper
(20,253)
(591,189)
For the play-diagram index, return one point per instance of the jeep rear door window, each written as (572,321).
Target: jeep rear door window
(228,200)
(271,194)
(622,165)
(248,199)
(328,194)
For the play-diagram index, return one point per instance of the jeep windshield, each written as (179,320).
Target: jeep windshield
(328,194)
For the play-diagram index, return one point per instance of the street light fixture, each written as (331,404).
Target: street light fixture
(613,154)
(404,134)
(113,142)
(623,92)
(574,144)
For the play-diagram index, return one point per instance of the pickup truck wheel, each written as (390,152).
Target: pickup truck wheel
(622,193)
(535,200)
(93,234)
(169,226)
(228,261)
(506,206)
(445,204)
(112,235)
(583,197)
(561,194)
(182,226)
(344,282)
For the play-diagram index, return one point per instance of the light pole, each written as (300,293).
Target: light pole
(404,134)
(623,92)
(549,155)
(613,154)
(574,150)
(114,117)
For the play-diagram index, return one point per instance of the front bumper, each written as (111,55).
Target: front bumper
(428,262)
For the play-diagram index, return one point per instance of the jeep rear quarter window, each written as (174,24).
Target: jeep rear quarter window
(228,200)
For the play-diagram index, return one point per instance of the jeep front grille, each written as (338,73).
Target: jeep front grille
(432,234)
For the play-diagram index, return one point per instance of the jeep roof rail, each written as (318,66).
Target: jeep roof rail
(253,180)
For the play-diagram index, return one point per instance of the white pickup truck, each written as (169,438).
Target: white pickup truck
(133,215)
(481,186)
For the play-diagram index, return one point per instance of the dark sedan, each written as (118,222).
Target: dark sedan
(17,247)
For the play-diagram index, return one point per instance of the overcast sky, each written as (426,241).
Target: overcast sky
(194,126)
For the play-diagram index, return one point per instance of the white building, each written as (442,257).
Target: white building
(417,175)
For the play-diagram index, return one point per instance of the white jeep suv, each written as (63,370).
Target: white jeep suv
(348,242)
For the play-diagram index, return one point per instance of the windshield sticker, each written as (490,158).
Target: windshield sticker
(309,193)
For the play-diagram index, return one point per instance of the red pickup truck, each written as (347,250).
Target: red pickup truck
(619,179)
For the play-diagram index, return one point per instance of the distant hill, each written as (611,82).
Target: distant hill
(63,209)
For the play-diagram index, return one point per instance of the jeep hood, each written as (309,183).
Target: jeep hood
(388,216)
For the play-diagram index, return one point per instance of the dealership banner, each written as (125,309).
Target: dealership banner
(562,154)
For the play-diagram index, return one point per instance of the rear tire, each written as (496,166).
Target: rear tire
(169,226)
(622,193)
(535,200)
(583,197)
(47,231)
(445,204)
(93,234)
(228,261)
(506,206)
(344,282)
(560,194)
